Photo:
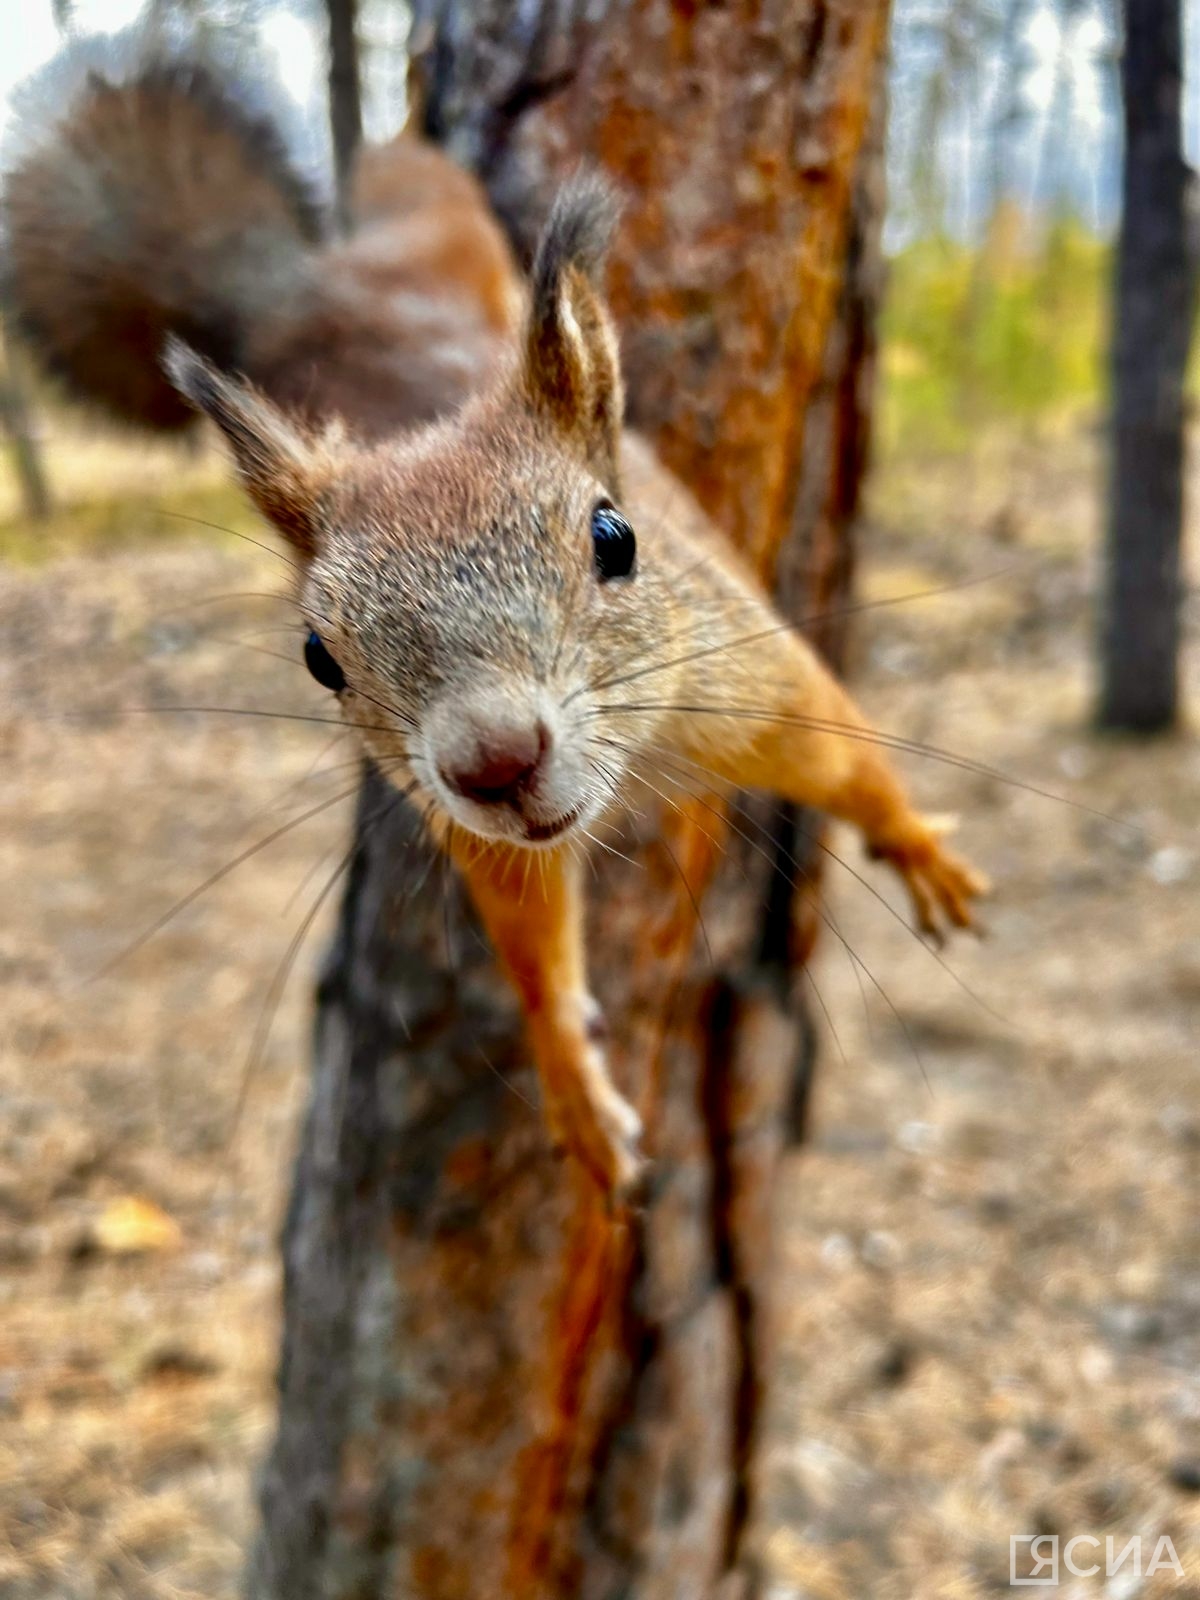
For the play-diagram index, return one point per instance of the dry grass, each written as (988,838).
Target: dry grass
(992,1314)
(93,472)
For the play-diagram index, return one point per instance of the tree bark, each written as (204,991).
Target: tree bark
(488,1387)
(1153,315)
(345,97)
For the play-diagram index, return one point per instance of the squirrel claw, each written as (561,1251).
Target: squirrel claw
(941,885)
(591,1120)
(601,1130)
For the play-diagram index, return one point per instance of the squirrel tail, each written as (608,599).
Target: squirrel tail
(159,202)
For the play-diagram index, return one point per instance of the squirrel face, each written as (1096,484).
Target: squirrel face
(472,582)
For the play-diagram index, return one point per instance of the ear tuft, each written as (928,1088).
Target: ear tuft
(189,372)
(281,467)
(577,235)
(571,370)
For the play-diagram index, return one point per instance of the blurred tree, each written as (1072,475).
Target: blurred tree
(946,52)
(1000,100)
(17,422)
(486,1387)
(345,96)
(1153,313)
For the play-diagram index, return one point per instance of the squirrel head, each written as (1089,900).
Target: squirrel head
(470,586)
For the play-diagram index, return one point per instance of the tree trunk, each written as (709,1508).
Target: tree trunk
(488,1387)
(16,421)
(1153,313)
(345,97)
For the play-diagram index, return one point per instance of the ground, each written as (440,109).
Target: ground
(989,1249)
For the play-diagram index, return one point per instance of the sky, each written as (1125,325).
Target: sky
(1084,165)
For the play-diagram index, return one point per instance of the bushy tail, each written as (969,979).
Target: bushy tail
(156,203)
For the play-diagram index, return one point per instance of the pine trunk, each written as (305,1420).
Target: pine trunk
(487,1387)
(1153,315)
(345,96)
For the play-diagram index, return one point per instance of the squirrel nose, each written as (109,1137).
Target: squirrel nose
(497,764)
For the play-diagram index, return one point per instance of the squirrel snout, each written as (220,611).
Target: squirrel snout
(494,765)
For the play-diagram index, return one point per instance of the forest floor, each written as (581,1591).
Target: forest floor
(990,1245)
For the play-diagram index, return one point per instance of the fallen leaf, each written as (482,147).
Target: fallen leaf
(130,1226)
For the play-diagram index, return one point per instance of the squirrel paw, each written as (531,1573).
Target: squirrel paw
(593,1122)
(942,885)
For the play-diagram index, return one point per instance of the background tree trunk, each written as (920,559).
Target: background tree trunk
(16,420)
(345,96)
(486,1387)
(1153,314)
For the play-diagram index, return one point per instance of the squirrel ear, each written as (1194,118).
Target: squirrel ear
(571,370)
(281,468)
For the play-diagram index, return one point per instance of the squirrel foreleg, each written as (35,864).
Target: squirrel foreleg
(807,741)
(532,908)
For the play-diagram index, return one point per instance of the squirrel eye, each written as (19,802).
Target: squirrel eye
(322,665)
(614,543)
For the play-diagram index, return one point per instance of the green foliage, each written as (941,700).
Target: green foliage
(1011,333)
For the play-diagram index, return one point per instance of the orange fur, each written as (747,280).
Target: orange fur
(422,221)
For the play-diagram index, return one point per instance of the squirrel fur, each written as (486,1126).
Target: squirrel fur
(527,619)
(163,200)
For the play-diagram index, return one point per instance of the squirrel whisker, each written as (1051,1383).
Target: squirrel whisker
(216,877)
(887,741)
(820,905)
(815,837)
(235,533)
(274,995)
(728,821)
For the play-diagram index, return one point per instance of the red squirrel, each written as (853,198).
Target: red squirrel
(488,582)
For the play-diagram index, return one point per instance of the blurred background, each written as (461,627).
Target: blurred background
(992,1239)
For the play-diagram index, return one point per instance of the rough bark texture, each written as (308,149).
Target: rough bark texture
(487,1387)
(1153,315)
(815,570)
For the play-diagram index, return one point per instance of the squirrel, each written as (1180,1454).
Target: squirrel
(516,606)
